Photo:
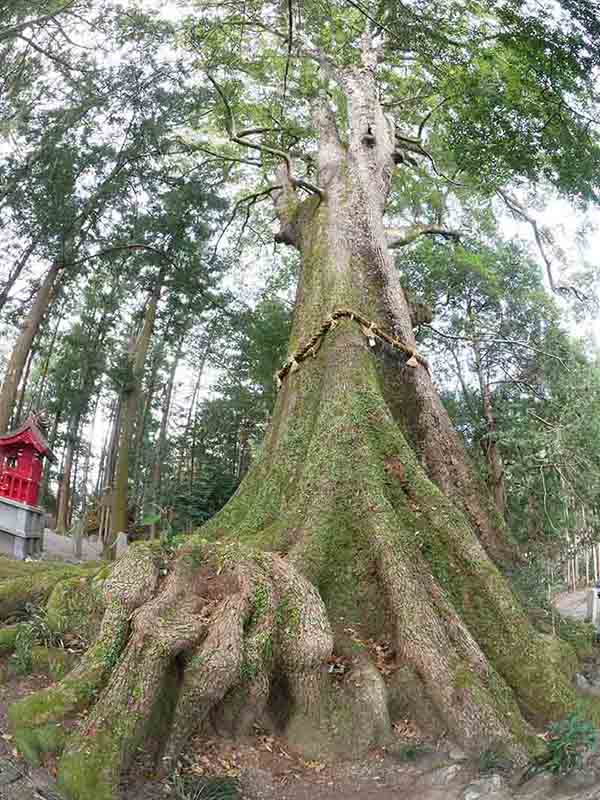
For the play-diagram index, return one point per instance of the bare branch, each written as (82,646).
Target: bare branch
(415,146)
(290,43)
(543,237)
(494,340)
(428,116)
(241,138)
(251,199)
(400,237)
(119,248)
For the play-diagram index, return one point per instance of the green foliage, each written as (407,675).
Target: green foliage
(410,752)
(568,742)
(193,788)
(36,631)
(22,656)
(494,760)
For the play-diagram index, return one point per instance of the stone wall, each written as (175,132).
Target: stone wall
(21,529)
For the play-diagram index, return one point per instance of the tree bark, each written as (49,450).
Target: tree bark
(64,492)
(23,344)
(129,406)
(493,458)
(157,469)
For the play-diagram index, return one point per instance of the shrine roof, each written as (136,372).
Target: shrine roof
(28,433)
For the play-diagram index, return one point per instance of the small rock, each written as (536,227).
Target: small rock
(578,779)
(457,755)
(539,786)
(442,776)
(491,788)
(581,682)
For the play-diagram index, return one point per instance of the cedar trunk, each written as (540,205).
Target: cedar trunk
(360,521)
(20,352)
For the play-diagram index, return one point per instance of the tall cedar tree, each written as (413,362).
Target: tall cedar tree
(361,519)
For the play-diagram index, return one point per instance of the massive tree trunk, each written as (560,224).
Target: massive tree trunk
(360,521)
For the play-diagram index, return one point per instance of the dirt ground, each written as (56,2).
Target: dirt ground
(410,768)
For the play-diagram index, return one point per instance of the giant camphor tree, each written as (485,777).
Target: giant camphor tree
(361,519)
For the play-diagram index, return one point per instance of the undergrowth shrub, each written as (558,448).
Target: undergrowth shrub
(568,742)
(218,788)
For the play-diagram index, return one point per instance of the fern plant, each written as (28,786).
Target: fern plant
(569,740)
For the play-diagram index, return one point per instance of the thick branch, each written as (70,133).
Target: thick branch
(400,237)
(542,237)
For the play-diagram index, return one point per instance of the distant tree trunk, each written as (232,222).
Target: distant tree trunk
(73,487)
(64,493)
(188,447)
(129,406)
(19,410)
(52,442)
(140,428)
(157,469)
(88,458)
(15,273)
(495,466)
(38,400)
(21,349)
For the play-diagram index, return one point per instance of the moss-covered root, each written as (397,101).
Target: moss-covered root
(468,694)
(35,720)
(166,627)
(33,586)
(231,620)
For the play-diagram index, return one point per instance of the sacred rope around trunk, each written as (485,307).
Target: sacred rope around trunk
(369,329)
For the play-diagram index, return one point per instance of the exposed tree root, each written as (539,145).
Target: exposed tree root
(36,719)
(24,582)
(226,633)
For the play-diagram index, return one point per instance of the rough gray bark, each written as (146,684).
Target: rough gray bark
(21,349)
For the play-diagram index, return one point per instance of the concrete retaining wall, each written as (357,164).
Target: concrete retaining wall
(21,529)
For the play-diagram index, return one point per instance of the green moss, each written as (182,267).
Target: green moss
(262,599)
(45,740)
(76,606)
(75,692)
(8,638)
(52,661)
(85,771)
(249,670)
(580,635)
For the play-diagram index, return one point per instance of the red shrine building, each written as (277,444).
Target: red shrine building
(22,453)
